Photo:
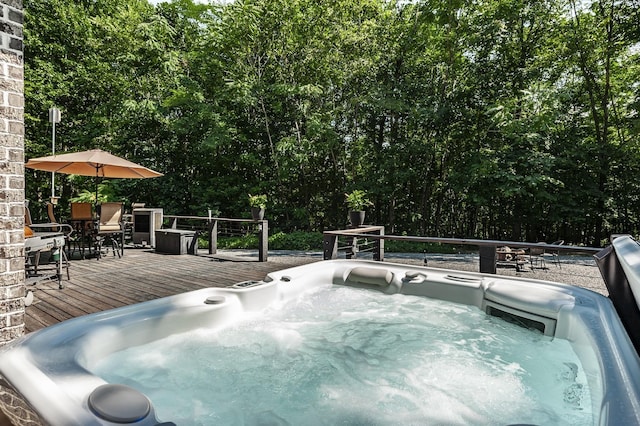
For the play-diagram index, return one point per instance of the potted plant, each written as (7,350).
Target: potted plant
(356,201)
(258,203)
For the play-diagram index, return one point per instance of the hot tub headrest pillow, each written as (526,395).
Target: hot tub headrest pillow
(375,276)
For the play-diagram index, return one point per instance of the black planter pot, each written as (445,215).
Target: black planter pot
(356,217)
(257,213)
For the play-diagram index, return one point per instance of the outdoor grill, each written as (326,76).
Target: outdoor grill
(145,222)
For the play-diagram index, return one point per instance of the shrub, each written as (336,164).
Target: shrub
(296,241)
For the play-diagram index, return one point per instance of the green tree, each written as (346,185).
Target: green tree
(93,60)
(498,119)
(598,55)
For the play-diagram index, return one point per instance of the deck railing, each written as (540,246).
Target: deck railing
(487,248)
(210,226)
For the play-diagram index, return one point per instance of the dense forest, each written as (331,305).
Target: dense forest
(510,119)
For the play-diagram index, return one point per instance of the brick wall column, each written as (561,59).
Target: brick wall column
(12,287)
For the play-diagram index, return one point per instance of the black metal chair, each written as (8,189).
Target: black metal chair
(82,223)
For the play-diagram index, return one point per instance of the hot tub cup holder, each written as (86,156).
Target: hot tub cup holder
(215,300)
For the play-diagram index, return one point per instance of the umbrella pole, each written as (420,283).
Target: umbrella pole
(54,117)
(95,204)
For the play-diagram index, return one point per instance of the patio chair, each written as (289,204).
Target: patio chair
(554,255)
(51,213)
(27,214)
(51,226)
(73,239)
(538,256)
(82,222)
(110,229)
(81,211)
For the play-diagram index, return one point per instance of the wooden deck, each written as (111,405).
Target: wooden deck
(140,275)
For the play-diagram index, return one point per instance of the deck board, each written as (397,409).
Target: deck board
(140,275)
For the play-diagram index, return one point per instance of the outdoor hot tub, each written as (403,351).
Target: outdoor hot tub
(340,341)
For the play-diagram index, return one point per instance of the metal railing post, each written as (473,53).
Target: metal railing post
(488,259)
(213,236)
(378,250)
(263,241)
(352,249)
(330,246)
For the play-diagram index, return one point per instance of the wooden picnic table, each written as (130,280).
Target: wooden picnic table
(506,256)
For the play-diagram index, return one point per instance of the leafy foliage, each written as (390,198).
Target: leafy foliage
(259,201)
(357,200)
(509,119)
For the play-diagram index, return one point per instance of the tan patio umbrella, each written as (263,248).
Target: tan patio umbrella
(95,162)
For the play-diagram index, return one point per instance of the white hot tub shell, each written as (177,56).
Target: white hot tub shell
(50,368)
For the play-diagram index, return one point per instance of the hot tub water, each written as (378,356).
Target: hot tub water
(340,355)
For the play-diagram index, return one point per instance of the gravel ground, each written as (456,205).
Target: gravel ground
(580,271)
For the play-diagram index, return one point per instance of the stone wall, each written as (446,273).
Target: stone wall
(12,287)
